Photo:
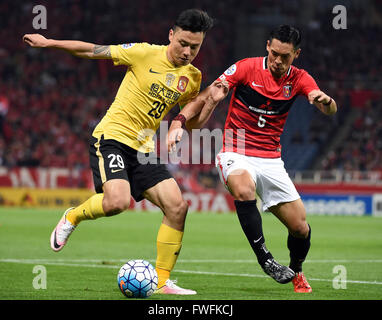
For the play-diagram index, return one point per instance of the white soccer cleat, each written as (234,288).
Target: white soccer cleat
(61,233)
(171,288)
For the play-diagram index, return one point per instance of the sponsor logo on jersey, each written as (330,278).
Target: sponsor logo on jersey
(182,83)
(256,85)
(152,71)
(127,45)
(231,70)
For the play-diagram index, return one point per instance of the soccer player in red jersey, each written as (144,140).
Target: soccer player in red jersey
(264,89)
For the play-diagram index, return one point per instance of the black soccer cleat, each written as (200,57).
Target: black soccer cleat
(282,274)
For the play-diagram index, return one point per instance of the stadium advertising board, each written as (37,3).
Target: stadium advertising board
(45,178)
(52,187)
(64,198)
(58,187)
(338,204)
(49,198)
(377,205)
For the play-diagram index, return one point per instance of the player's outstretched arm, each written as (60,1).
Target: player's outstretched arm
(211,97)
(197,112)
(78,48)
(323,102)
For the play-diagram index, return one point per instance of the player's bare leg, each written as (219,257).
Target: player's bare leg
(293,216)
(116,197)
(114,200)
(243,188)
(167,196)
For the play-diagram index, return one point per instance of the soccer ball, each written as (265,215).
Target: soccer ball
(137,279)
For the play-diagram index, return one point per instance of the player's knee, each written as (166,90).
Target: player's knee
(181,209)
(299,229)
(116,204)
(177,213)
(244,192)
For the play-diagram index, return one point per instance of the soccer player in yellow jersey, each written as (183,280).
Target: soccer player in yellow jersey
(157,79)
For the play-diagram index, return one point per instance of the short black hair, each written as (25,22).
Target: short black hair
(287,34)
(194,20)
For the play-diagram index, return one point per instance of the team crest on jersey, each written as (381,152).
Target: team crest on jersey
(287,90)
(231,70)
(182,83)
(127,45)
(170,78)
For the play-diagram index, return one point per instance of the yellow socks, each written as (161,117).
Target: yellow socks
(169,243)
(90,209)
(169,240)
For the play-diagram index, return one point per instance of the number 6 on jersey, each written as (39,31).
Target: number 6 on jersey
(261,122)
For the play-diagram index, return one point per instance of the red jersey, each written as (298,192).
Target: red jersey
(259,106)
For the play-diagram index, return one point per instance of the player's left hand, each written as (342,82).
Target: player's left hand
(174,135)
(318,96)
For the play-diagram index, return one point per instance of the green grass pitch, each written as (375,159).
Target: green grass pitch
(216,259)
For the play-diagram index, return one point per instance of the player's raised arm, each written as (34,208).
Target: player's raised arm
(197,112)
(211,96)
(323,102)
(78,48)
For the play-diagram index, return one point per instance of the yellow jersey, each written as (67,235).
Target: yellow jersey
(152,86)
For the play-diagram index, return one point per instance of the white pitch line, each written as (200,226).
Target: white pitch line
(33,261)
(201,260)
(264,276)
(255,261)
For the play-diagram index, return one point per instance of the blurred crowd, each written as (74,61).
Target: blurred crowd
(362,147)
(51,101)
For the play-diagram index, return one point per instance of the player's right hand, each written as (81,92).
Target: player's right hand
(317,96)
(174,135)
(36,40)
(218,90)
